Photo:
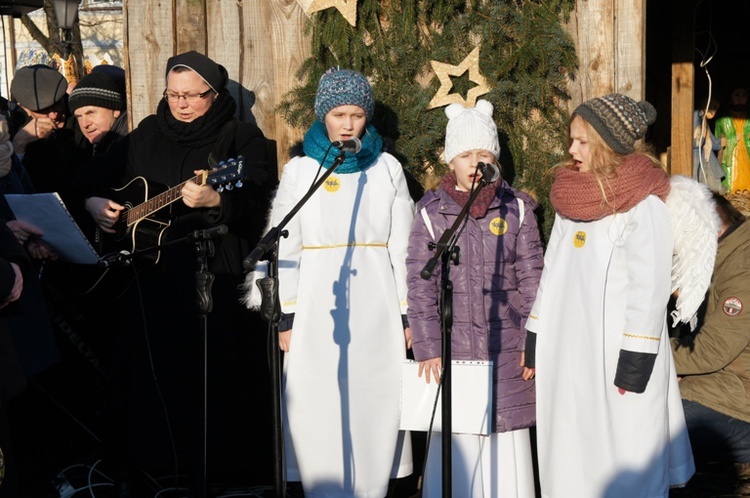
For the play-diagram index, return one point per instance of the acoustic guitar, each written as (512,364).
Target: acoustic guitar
(145,224)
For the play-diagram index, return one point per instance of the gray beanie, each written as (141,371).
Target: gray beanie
(618,119)
(470,129)
(38,87)
(343,87)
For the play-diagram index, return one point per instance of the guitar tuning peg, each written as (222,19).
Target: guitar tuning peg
(220,189)
(238,184)
(229,186)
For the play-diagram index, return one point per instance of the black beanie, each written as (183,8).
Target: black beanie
(97,89)
(212,73)
(38,87)
(115,72)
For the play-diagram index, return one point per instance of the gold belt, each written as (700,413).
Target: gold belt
(354,244)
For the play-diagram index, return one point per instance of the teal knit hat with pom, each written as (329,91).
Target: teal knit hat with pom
(343,87)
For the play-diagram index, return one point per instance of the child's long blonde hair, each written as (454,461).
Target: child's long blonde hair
(603,161)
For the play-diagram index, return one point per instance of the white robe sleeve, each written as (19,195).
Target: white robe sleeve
(290,247)
(402,216)
(648,250)
(532,323)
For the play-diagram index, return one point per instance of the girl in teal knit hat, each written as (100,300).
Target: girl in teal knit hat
(342,288)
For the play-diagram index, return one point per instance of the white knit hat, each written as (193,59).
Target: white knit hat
(469,129)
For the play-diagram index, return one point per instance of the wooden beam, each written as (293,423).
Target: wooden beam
(683,88)
(275,47)
(149,39)
(591,25)
(190,26)
(630,48)
(10,58)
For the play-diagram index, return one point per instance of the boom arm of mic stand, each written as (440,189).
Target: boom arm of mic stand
(445,239)
(125,257)
(270,239)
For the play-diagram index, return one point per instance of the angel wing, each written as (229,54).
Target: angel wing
(251,296)
(695,228)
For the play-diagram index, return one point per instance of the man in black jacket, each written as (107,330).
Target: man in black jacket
(44,142)
(100,110)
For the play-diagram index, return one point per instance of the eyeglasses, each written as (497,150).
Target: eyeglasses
(190,97)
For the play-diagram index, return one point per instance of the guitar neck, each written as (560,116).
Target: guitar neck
(137,213)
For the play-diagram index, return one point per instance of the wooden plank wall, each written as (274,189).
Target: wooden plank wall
(260,42)
(611,45)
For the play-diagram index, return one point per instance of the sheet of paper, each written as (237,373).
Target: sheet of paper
(471,401)
(48,213)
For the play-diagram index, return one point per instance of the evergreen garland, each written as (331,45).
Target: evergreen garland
(526,56)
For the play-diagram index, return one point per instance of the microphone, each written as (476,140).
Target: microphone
(490,172)
(208,233)
(352,145)
(249,263)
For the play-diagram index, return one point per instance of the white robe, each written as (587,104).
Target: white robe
(495,466)
(342,271)
(604,288)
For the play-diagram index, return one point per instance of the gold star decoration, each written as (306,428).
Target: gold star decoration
(445,71)
(348,8)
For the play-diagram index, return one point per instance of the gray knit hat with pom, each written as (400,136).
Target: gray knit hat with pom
(618,119)
(343,87)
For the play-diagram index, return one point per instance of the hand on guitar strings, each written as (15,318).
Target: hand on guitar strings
(199,196)
(105,212)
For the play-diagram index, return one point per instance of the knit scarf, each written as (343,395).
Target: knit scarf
(481,204)
(317,145)
(577,196)
(201,131)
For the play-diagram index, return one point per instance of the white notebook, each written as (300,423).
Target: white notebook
(48,213)
(471,402)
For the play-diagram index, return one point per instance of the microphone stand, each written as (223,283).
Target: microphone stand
(447,251)
(267,249)
(204,279)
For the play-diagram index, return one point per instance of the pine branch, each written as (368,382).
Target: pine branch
(526,55)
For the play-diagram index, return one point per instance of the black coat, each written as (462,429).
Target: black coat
(12,379)
(163,336)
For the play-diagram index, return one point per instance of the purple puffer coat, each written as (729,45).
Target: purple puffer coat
(494,286)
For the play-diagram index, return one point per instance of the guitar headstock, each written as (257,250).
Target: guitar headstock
(227,175)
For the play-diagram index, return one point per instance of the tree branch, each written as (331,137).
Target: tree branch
(52,43)
(37,34)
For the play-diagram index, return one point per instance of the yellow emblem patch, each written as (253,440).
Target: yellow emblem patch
(332,184)
(498,226)
(579,239)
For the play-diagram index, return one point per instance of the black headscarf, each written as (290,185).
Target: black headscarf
(215,75)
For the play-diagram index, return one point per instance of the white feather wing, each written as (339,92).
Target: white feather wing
(695,228)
